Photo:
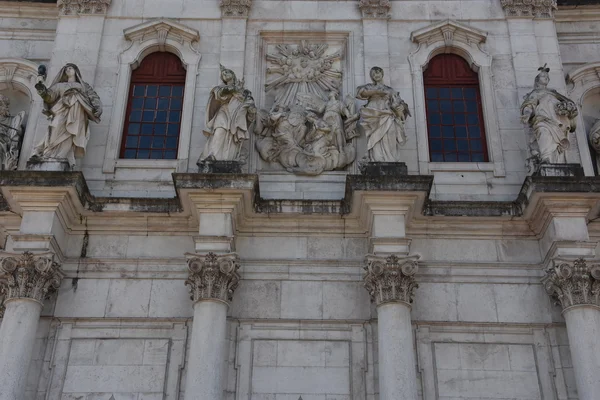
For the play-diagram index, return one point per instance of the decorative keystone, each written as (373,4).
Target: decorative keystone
(213,277)
(76,7)
(377,9)
(30,276)
(235,8)
(529,8)
(391,279)
(573,283)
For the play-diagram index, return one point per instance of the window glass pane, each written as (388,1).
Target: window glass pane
(462,145)
(173,130)
(165,91)
(160,129)
(143,154)
(464,157)
(434,118)
(474,132)
(476,145)
(437,157)
(177,91)
(447,119)
(150,103)
(444,93)
(448,131)
(460,131)
(459,119)
(434,131)
(457,93)
(170,155)
(132,141)
(431,92)
(139,90)
(435,145)
(450,157)
(134,129)
(129,154)
(459,106)
(137,103)
(449,145)
(470,93)
(171,143)
(163,103)
(145,142)
(147,129)
(471,106)
(158,142)
(148,116)
(135,116)
(432,105)
(477,157)
(161,116)
(176,103)
(473,119)
(151,91)
(446,105)
(156,154)
(174,116)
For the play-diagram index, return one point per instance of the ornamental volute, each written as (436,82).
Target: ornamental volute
(390,279)
(213,276)
(573,282)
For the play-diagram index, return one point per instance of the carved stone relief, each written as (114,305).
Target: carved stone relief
(11,135)
(309,129)
(391,279)
(213,276)
(529,8)
(573,283)
(375,8)
(74,7)
(235,8)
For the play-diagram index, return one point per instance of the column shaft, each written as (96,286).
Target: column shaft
(207,351)
(397,364)
(17,338)
(583,328)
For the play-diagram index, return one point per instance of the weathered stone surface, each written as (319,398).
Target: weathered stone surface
(383,168)
(391,279)
(213,277)
(219,167)
(29,276)
(560,170)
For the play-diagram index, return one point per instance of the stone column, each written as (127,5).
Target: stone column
(575,285)
(212,280)
(391,284)
(28,280)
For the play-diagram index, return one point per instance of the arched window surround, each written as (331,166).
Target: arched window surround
(147,38)
(453,37)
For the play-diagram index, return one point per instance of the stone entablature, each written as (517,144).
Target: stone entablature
(391,279)
(379,9)
(573,283)
(235,8)
(529,8)
(213,277)
(75,7)
(31,276)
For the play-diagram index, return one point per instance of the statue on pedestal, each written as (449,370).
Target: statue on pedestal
(230,113)
(11,133)
(70,103)
(382,119)
(551,117)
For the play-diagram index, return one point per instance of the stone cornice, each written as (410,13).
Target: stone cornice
(529,8)
(235,8)
(83,7)
(375,9)
(30,276)
(391,279)
(573,282)
(212,276)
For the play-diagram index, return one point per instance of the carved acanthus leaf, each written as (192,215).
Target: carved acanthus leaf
(379,9)
(27,275)
(213,276)
(235,8)
(75,7)
(391,279)
(529,8)
(573,283)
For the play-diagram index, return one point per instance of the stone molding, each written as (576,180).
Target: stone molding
(573,283)
(81,7)
(213,277)
(529,8)
(375,9)
(390,279)
(30,276)
(235,8)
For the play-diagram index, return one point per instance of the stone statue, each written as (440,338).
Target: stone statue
(594,136)
(11,133)
(382,119)
(230,113)
(70,103)
(551,116)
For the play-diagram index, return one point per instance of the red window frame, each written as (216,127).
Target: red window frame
(455,124)
(154,108)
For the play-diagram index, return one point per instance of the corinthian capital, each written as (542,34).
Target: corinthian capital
(573,283)
(75,7)
(235,8)
(391,279)
(529,8)
(379,9)
(27,275)
(213,276)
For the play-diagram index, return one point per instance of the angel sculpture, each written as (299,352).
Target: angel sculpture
(230,113)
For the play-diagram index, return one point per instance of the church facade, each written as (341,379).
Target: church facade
(299,199)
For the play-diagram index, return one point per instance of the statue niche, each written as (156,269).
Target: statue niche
(11,135)
(309,129)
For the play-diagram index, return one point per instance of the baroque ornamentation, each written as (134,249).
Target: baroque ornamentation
(573,283)
(382,119)
(70,103)
(235,8)
(230,113)
(74,7)
(529,8)
(551,117)
(11,134)
(594,136)
(213,276)
(391,279)
(27,275)
(309,129)
(375,8)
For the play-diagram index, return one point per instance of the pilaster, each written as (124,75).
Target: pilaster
(234,16)
(375,16)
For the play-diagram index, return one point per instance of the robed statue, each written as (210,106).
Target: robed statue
(70,104)
(11,134)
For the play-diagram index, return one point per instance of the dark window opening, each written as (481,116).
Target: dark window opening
(455,123)
(154,108)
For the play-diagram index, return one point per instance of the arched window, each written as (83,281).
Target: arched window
(151,129)
(455,123)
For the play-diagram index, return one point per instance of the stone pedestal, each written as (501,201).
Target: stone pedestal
(40,164)
(559,170)
(576,286)
(219,167)
(212,280)
(30,279)
(391,284)
(383,168)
